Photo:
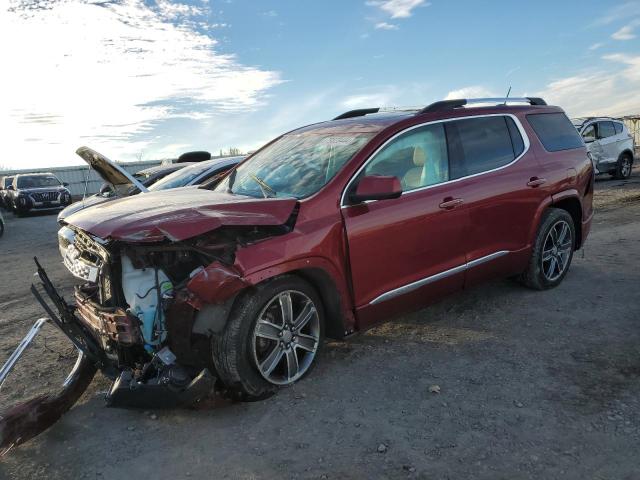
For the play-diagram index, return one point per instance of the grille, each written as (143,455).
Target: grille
(45,196)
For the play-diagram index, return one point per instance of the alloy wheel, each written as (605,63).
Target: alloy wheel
(286,337)
(625,168)
(556,251)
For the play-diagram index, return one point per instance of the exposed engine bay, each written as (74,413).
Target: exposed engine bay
(143,305)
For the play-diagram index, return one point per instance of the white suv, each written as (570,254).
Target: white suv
(609,143)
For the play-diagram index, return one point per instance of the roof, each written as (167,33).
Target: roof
(373,120)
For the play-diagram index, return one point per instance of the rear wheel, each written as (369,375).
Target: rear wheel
(272,337)
(552,251)
(623,168)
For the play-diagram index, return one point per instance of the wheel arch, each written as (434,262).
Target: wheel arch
(626,151)
(330,285)
(570,202)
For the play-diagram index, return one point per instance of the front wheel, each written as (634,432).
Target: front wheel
(272,338)
(552,251)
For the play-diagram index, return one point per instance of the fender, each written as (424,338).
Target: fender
(305,266)
(572,192)
(546,203)
(629,152)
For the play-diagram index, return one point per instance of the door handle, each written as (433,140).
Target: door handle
(449,203)
(536,182)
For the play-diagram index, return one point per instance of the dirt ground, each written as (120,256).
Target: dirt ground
(531,384)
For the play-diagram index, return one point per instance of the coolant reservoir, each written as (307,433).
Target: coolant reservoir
(143,290)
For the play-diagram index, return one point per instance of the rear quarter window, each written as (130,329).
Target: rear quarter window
(555,131)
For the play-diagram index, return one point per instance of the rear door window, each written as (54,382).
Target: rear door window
(606,129)
(618,127)
(481,144)
(555,131)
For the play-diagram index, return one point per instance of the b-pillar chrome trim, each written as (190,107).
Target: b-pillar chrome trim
(438,276)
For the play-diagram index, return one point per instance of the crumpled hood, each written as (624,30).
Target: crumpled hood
(178,214)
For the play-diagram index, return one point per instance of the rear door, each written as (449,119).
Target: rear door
(499,182)
(409,250)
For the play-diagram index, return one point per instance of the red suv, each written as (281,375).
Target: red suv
(327,230)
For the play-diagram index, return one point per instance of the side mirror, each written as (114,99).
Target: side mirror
(10,187)
(376,187)
(106,190)
(65,184)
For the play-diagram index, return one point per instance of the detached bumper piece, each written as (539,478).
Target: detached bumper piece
(171,389)
(161,383)
(26,420)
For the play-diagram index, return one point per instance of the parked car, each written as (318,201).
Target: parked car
(32,192)
(325,231)
(4,183)
(151,175)
(118,182)
(197,174)
(610,144)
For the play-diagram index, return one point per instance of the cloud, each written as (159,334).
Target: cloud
(611,91)
(625,33)
(386,26)
(596,46)
(623,11)
(398,8)
(111,75)
(512,71)
(475,91)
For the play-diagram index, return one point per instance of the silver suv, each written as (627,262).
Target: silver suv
(609,143)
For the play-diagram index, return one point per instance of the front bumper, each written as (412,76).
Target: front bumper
(29,203)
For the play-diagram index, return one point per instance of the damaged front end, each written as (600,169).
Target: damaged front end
(155,284)
(152,307)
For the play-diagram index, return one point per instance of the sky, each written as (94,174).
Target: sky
(150,79)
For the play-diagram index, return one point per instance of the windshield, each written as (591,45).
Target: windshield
(39,181)
(296,165)
(181,177)
(8,181)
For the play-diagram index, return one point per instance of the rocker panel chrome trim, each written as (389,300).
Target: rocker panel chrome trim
(438,276)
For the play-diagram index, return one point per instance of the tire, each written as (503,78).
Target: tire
(1,227)
(623,167)
(537,275)
(239,350)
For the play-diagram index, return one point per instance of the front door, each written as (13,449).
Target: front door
(590,137)
(406,251)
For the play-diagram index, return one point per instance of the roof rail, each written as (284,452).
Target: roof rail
(357,113)
(461,102)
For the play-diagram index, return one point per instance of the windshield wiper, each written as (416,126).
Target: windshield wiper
(263,185)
